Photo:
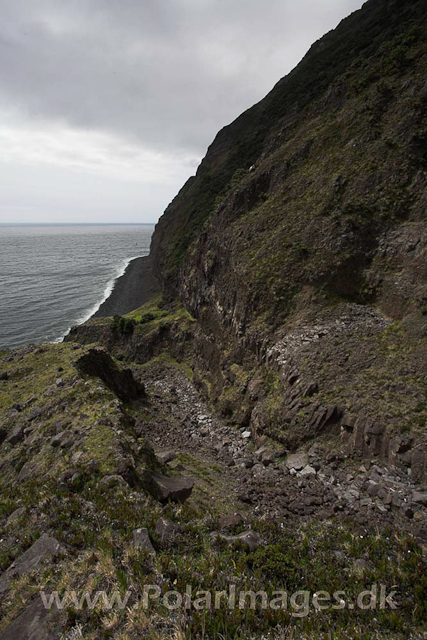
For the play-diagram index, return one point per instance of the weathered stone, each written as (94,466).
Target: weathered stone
(97,362)
(60,382)
(113,480)
(166,456)
(63,440)
(268,457)
(15,516)
(43,549)
(373,489)
(4,375)
(246,435)
(165,488)
(419,497)
(32,624)
(76,457)
(249,539)
(418,465)
(16,436)
(361,566)
(396,500)
(307,471)
(382,508)
(230,520)
(166,530)
(69,476)
(141,540)
(384,495)
(310,390)
(34,414)
(297,461)
(30,470)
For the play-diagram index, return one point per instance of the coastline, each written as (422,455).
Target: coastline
(134,288)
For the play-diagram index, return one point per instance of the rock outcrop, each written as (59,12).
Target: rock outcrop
(97,362)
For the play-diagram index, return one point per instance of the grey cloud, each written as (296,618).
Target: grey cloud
(166,74)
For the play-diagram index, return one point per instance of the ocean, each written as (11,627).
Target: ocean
(53,277)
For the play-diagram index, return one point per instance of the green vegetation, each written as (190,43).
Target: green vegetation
(124,326)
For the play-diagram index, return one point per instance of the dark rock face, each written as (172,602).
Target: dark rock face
(307,234)
(4,375)
(97,362)
(165,488)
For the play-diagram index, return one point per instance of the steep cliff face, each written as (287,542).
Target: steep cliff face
(303,235)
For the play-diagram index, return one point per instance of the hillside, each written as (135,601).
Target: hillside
(303,234)
(261,421)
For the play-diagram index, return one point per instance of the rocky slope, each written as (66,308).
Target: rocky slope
(303,236)
(262,421)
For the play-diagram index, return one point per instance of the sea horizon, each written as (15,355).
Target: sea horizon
(76,224)
(57,275)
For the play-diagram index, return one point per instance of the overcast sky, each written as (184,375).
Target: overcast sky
(108,106)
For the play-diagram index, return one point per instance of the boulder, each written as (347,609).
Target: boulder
(32,624)
(69,476)
(76,457)
(248,538)
(112,481)
(166,456)
(165,488)
(230,520)
(30,470)
(16,436)
(97,362)
(307,471)
(166,530)
(420,498)
(43,549)
(297,461)
(15,516)
(268,457)
(141,540)
(34,414)
(63,440)
(4,375)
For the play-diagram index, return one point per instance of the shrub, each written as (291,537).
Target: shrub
(123,326)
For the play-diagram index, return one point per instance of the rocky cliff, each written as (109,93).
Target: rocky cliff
(303,236)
